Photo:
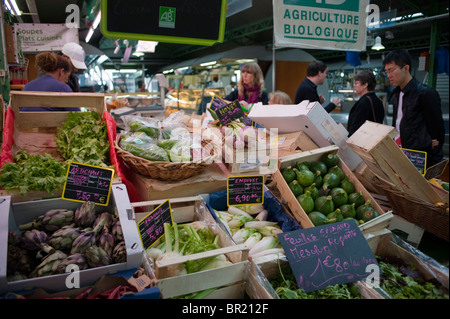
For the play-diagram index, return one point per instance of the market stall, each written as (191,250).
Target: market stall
(203,206)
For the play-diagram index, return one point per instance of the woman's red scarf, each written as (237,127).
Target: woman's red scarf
(253,94)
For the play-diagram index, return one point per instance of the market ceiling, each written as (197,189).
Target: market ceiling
(249,27)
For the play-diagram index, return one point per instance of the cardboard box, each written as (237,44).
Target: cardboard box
(310,118)
(14,214)
(189,209)
(374,143)
(213,178)
(300,215)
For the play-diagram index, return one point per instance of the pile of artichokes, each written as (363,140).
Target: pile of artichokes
(61,238)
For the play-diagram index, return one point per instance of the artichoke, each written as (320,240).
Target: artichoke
(85,214)
(116,231)
(74,259)
(49,264)
(63,238)
(106,241)
(109,219)
(51,221)
(119,254)
(87,238)
(97,257)
(35,239)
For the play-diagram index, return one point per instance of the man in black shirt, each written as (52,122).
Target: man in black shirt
(316,74)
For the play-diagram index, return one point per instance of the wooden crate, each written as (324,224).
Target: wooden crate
(229,278)
(296,209)
(429,269)
(35,132)
(374,143)
(271,269)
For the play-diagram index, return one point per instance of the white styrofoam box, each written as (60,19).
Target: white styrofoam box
(14,214)
(310,118)
(406,230)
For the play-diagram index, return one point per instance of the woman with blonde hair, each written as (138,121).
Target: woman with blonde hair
(279,97)
(250,87)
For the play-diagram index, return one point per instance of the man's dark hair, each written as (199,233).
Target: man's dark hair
(364,77)
(399,57)
(314,68)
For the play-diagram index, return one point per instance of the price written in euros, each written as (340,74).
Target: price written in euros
(338,266)
(245,198)
(85,196)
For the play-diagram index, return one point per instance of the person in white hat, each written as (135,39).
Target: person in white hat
(75,53)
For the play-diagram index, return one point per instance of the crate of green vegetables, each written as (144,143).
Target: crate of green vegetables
(408,273)
(279,282)
(37,145)
(319,188)
(193,254)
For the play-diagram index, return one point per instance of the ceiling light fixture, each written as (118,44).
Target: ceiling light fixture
(13,7)
(97,20)
(378,46)
(208,63)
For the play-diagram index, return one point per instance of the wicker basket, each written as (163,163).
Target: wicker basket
(171,171)
(432,218)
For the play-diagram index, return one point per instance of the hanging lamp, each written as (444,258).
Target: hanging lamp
(378,46)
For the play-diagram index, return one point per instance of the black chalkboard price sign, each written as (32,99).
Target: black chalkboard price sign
(229,112)
(328,255)
(418,158)
(245,190)
(151,227)
(88,183)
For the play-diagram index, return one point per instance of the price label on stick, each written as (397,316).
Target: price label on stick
(245,190)
(327,255)
(151,227)
(88,183)
(229,112)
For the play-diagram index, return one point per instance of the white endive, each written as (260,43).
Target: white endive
(276,251)
(270,230)
(267,242)
(257,224)
(262,216)
(251,209)
(253,239)
(242,234)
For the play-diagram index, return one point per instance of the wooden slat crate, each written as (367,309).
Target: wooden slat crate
(374,143)
(228,279)
(296,209)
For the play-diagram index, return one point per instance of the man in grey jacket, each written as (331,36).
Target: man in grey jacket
(417,109)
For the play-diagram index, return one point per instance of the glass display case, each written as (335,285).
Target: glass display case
(192,100)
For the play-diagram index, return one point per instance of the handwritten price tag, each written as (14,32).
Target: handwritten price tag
(88,183)
(418,158)
(327,255)
(151,227)
(245,190)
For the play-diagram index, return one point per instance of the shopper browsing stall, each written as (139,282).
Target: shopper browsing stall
(316,74)
(75,54)
(369,107)
(417,114)
(56,71)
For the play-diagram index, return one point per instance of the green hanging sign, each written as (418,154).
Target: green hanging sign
(198,22)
